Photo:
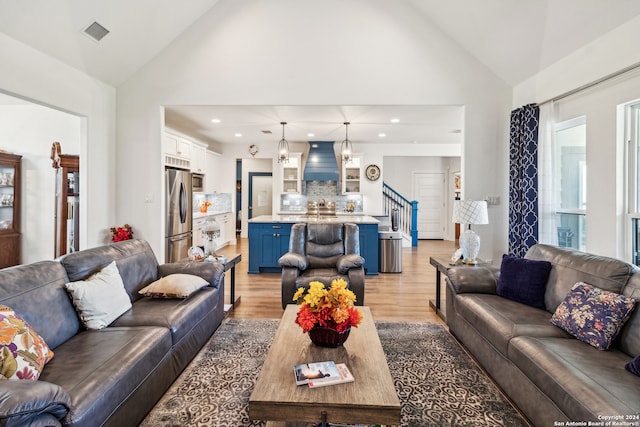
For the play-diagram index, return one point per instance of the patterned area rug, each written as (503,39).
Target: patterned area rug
(437,383)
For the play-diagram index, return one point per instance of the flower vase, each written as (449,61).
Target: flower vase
(203,209)
(328,337)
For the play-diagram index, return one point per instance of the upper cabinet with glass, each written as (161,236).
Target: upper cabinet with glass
(9,209)
(351,174)
(291,172)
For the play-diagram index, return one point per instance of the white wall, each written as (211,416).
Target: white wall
(29,130)
(605,219)
(32,75)
(244,52)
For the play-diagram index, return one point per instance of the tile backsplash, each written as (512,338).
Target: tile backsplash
(298,203)
(220,202)
(315,191)
(319,189)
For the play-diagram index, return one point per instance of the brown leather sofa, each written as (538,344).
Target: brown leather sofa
(322,252)
(112,376)
(550,375)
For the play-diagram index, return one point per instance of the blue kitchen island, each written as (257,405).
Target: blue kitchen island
(269,239)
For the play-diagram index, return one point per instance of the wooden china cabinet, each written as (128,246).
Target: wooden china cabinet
(67,212)
(9,209)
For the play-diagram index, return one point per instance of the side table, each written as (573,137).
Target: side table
(232,261)
(442,265)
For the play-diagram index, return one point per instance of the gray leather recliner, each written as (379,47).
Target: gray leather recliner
(322,252)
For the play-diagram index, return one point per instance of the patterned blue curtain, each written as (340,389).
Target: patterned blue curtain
(523,179)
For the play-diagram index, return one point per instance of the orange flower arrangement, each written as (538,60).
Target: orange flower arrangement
(204,205)
(332,308)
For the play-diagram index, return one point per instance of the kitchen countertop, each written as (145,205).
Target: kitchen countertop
(356,219)
(341,213)
(197,215)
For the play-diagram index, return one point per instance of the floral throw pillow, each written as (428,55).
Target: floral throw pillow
(23,353)
(593,315)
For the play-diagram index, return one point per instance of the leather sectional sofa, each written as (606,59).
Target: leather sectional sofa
(550,375)
(115,375)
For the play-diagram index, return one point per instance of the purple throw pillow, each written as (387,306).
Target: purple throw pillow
(593,315)
(634,366)
(523,280)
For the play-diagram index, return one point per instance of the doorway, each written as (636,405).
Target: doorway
(29,128)
(260,194)
(428,190)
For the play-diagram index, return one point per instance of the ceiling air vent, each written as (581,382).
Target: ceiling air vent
(96,31)
(268,132)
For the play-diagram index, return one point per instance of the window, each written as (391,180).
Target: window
(632,135)
(570,182)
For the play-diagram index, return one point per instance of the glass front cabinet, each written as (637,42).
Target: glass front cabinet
(9,209)
(291,174)
(351,175)
(67,214)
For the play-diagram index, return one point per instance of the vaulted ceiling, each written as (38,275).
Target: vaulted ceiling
(514,39)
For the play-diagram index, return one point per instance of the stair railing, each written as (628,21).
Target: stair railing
(408,212)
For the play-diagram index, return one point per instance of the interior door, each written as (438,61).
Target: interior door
(428,190)
(260,194)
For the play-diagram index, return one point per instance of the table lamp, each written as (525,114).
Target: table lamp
(470,212)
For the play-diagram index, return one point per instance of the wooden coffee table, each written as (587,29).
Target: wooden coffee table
(371,398)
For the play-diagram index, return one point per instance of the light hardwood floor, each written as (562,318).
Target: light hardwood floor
(390,296)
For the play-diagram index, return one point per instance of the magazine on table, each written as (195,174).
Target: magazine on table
(317,371)
(345,377)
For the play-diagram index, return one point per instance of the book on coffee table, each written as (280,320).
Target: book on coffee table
(317,371)
(345,377)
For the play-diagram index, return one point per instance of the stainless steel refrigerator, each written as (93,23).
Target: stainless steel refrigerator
(179,214)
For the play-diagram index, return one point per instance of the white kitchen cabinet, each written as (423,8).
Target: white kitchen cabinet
(184,148)
(176,145)
(227,228)
(212,180)
(230,228)
(351,175)
(291,174)
(198,158)
(177,151)
(198,224)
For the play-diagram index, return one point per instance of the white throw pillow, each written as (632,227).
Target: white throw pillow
(101,298)
(174,286)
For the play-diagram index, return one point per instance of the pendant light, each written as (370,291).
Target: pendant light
(346,149)
(283,147)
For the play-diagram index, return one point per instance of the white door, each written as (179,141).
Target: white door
(260,188)
(428,190)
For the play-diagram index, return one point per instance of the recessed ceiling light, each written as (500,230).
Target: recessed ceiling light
(394,120)
(311,135)
(238,135)
(215,120)
(382,134)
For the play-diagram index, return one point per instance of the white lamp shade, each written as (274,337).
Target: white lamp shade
(470,212)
